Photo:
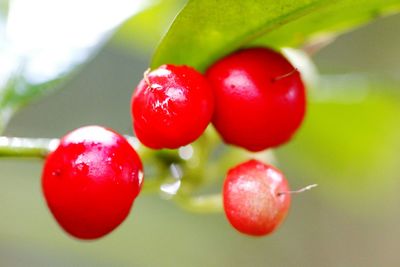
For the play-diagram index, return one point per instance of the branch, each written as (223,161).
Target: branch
(17,147)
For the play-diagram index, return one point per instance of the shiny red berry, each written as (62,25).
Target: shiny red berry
(259,98)
(256,198)
(91,180)
(171,107)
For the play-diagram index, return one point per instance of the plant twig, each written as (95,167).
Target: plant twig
(17,147)
(200,204)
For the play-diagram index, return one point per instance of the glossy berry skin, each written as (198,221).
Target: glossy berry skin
(91,180)
(171,107)
(259,98)
(252,198)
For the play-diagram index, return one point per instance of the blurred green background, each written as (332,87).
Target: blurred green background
(348,145)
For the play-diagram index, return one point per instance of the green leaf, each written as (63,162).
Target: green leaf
(45,42)
(142,32)
(207,30)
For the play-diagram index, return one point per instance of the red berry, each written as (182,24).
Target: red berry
(256,198)
(91,180)
(259,98)
(171,107)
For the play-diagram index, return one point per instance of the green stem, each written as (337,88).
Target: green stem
(151,185)
(21,147)
(200,204)
(17,147)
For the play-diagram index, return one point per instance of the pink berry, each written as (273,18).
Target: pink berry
(256,198)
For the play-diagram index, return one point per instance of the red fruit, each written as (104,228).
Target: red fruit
(256,198)
(91,180)
(171,107)
(259,98)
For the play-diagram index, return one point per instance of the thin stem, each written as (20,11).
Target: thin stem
(18,147)
(301,190)
(200,204)
(146,77)
(284,75)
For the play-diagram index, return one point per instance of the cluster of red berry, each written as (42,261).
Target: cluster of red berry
(255,99)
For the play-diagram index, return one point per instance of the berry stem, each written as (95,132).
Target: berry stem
(18,147)
(200,204)
(146,77)
(301,190)
(284,75)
